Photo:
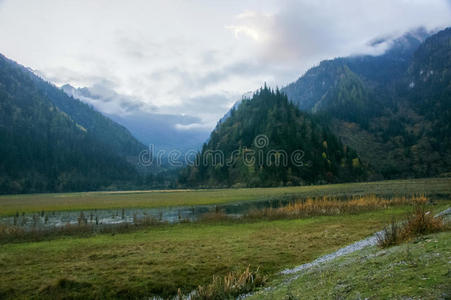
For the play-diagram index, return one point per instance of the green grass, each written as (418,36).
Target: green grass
(10,204)
(415,270)
(159,260)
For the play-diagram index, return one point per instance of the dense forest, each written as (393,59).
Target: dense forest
(393,109)
(268,141)
(52,143)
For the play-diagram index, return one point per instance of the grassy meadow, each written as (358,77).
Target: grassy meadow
(166,259)
(11,204)
(159,260)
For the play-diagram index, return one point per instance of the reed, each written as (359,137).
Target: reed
(327,206)
(10,234)
(214,216)
(298,208)
(230,286)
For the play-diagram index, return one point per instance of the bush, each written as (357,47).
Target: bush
(390,235)
(420,222)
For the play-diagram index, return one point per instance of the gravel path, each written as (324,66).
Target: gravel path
(370,241)
(359,245)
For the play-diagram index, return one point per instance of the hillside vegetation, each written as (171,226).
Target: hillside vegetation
(393,109)
(415,270)
(50,142)
(267,141)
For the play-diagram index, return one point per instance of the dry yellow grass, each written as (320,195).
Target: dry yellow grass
(231,285)
(336,206)
(11,204)
(419,222)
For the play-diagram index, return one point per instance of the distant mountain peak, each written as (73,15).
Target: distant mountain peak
(387,97)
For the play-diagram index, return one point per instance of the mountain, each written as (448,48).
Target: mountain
(393,109)
(427,84)
(106,131)
(375,72)
(52,142)
(267,141)
(149,128)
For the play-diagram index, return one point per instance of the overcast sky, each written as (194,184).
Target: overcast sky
(197,57)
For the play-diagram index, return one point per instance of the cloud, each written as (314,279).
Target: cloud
(201,80)
(103,97)
(208,103)
(246,30)
(165,131)
(196,57)
(312,30)
(192,126)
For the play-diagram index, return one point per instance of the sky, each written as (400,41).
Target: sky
(196,58)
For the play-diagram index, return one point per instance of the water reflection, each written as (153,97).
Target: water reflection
(132,215)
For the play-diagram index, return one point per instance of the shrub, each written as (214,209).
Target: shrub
(390,235)
(422,222)
(419,222)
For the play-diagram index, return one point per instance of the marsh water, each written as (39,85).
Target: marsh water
(132,215)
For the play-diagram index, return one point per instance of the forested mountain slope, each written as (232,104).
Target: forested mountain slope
(50,142)
(267,141)
(393,109)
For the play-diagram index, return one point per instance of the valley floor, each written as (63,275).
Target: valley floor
(159,260)
(26,203)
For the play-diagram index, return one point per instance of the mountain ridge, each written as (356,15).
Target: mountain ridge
(374,105)
(49,142)
(149,128)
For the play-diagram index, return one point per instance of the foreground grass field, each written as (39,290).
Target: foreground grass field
(10,204)
(159,260)
(415,270)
